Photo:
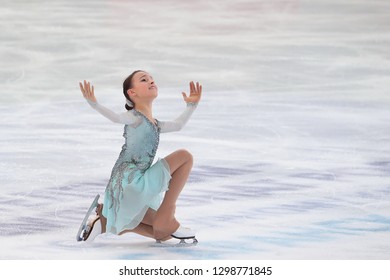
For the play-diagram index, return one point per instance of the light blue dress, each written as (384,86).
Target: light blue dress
(135,183)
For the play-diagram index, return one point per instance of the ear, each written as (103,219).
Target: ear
(130,93)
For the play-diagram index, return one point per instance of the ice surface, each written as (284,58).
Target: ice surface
(291,141)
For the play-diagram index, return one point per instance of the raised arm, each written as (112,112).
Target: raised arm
(179,122)
(192,102)
(89,95)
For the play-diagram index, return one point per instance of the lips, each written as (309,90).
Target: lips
(153,87)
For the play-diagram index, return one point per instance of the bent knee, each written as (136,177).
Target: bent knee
(185,155)
(178,159)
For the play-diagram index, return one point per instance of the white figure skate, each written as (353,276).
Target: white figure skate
(184,235)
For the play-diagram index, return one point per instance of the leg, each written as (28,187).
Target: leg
(180,164)
(103,219)
(141,229)
(149,217)
(144,230)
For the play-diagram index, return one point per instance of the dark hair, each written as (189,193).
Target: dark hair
(128,84)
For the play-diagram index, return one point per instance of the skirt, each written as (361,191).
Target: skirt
(139,192)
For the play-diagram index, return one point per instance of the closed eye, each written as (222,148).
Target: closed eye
(145,78)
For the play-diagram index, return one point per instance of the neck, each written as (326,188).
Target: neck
(146,109)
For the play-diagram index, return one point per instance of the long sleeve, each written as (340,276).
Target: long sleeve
(122,118)
(179,122)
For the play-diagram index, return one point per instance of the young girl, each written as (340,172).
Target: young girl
(133,199)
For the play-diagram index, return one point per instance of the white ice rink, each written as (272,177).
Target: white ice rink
(291,140)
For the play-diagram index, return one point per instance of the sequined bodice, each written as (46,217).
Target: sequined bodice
(141,143)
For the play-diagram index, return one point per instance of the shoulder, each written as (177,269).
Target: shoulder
(132,118)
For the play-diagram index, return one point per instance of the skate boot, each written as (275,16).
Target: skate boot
(183,234)
(93,229)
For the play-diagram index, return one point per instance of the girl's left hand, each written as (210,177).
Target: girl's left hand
(195,93)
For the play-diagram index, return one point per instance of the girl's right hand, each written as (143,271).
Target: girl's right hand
(87,91)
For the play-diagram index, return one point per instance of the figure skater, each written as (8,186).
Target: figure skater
(133,199)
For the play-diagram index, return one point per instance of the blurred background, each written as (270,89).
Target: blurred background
(291,139)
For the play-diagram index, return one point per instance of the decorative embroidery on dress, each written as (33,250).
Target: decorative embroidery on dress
(134,158)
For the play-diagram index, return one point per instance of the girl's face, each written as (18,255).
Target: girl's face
(144,86)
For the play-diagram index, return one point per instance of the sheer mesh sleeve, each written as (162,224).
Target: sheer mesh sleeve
(179,122)
(122,118)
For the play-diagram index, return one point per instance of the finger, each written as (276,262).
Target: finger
(184,95)
(81,87)
(89,90)
(83,90)
(197,87)
(192,87)
(199,90)
(93,91)
(85,87)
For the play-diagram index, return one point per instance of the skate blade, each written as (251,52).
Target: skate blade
(171,243)
(84,228)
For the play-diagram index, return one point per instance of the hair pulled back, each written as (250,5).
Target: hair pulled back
(128,84)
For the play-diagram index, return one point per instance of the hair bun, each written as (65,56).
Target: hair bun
(129,104)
